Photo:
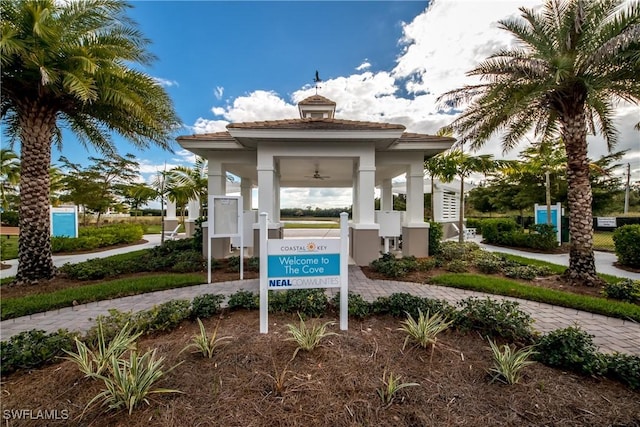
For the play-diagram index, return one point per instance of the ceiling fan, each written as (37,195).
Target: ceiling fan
(316,175)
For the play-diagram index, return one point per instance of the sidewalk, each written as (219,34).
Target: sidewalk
(610,334)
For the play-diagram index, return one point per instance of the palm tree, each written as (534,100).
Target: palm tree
(574,60)
(190,183)
(71,64)
(9,175)
(466,165)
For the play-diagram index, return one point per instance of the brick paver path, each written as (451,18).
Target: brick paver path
(610,334)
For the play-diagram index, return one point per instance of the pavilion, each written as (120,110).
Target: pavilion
(319,150)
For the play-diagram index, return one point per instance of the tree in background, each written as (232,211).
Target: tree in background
(573,61)
(95,187)
(9,177)
(72,63)
(135,195)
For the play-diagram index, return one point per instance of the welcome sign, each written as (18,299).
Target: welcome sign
(303,264)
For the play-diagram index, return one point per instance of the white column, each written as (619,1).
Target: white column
(415,194)
(355,210)
(276,197)
(246,186)
(171,210)
(217,178)
(387,195)
(266,185)
(366,189)
(194,209)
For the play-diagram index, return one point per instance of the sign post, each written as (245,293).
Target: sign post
(303,264)
(225,220)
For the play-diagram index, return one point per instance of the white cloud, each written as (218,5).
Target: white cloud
(364,66)
(218,92)
(437,48)
(164,82)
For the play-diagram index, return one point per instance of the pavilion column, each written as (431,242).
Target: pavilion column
(246,186)
(217,186)
(355,211)
(170,219)
(194,213)
(415,231)
(276,197)
(268,186)
(387,195)
(365,239)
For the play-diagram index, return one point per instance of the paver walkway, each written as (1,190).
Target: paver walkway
(610,334)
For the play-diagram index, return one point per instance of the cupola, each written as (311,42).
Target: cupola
(317,107)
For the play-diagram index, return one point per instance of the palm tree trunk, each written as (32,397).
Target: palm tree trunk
(582,270)
(34,244)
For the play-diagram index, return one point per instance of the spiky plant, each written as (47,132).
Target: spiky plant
(391,385)
(94,362)
(206,345)
(508,363)
(308,337)
(130,382)
(425,330)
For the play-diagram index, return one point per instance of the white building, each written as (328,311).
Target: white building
(319,150)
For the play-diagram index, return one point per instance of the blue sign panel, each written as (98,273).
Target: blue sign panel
(63,224)
(303,265)
(541,216)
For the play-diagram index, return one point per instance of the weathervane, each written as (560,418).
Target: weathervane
(317,80)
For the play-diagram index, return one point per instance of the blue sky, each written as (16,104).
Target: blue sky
(225,62)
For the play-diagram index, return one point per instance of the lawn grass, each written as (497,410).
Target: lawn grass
(8,247)
(16,307)
(500,286)
(327,224)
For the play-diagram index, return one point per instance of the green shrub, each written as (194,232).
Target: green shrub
(569,348)
(33,348)
(624,368)
(358,307)
(173,256)
(435,238)
(540,236)
(308,302)
(243,300)
(188,261)
(426,264)
(488,263)
(98,237)
(495,319)
(492,228)
(521,272)
(626,240)
(400,304)
(10,218)
(624,290)
(204,306)
(457,266)
(394,267)
(458,251)
(165,316)
(253,264)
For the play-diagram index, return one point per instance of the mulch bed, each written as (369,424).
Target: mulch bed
(334,385)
